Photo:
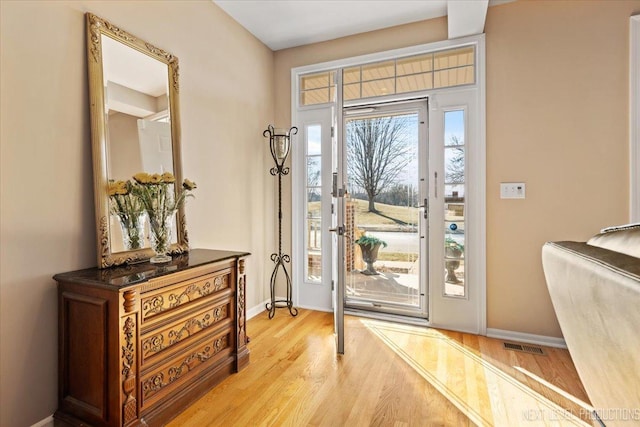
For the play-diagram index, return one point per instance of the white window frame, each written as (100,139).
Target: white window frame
(479,168)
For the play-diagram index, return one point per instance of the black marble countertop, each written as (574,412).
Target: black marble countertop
(126,275)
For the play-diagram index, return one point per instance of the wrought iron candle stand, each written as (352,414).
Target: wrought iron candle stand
(280,144)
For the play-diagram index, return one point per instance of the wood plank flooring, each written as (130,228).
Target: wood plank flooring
(391,375)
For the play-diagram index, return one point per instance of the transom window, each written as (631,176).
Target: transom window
(318,88)
(447,68)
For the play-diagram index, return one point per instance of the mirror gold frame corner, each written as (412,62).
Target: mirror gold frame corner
(95,28)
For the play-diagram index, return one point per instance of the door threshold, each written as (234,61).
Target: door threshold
(396,318)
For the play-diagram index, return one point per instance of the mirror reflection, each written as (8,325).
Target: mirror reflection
(138,128)
(135,128)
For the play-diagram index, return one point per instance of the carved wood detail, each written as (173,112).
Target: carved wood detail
(172,373)
(240,312)
(130,405)
(94,30)
(189,292)
(97,24)
(167,337)
(164,281)
(153,305)
(130,301)
(143,371)
(118,31)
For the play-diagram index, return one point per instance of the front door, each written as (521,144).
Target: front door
(386,208)
(408,174)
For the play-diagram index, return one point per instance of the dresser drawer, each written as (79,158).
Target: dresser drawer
(141,342)
(183,294)
(184,367)
(212,316)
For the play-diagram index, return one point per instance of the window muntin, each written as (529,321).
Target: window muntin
(378,88)
(414,64)
(453,58)
(317,88)
(449,68)
(453,77)
(414,82)
(379,70)
(351,75)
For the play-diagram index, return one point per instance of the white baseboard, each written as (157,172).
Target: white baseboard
(254,311)
(526,338)
(501,334)
(309,307)
(47,422)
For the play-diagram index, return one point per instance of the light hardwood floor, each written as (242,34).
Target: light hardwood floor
(390,375)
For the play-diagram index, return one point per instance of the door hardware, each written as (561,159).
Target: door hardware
(435,176)
(426,208)
(339,230)
(334,184)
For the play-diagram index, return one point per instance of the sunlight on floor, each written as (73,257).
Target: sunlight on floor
(585,406)
(508,401)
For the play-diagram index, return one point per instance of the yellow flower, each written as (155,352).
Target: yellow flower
(168,178)
(112,188)
(142,178)
(155,178)
(117,187)
(121,187)
(189,185)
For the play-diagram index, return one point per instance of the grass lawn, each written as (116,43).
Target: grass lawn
(388,214)
(397,256)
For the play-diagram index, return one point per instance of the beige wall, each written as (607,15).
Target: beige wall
(47,227)
(557,119)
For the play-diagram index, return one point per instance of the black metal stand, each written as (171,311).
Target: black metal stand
(279,258)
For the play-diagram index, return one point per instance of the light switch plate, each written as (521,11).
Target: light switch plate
(512,190)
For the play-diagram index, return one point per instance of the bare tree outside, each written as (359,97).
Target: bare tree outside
(455,167)
(378,152)
(313,178)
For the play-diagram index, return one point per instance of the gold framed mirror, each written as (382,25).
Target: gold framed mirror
(135,127)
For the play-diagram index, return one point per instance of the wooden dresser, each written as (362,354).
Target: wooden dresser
(140,343)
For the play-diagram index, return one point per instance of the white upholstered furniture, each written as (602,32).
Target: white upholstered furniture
(595,290)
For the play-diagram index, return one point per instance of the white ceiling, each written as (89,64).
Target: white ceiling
(281,24)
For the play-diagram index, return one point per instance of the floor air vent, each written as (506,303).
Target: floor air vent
(524,348)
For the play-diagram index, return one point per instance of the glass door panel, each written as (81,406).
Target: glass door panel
(313,219)
(384,216)
(454,203)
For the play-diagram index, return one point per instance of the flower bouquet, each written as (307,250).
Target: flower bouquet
(158,198)
(127,208)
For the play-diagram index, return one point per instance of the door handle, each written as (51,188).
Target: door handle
(334,184)
(339,230)
(426,208)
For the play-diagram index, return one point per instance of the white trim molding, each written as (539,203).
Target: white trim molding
(478,272)
(634,118)
(255,310)
(502,334)
(47,422)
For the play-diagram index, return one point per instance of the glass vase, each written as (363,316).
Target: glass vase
(160,232)
(132,225)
